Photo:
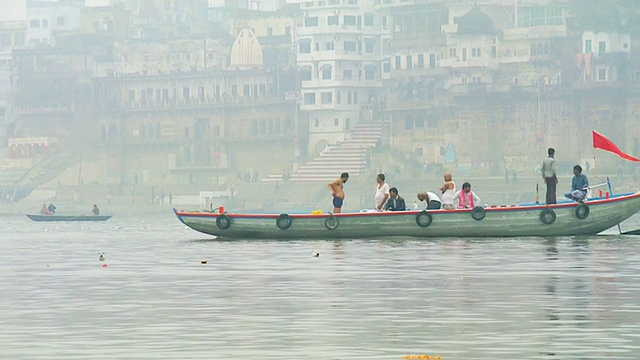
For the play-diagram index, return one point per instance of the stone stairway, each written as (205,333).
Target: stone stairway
(349,156)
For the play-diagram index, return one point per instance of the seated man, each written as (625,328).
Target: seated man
(432,200)
(395,202)
(579,185)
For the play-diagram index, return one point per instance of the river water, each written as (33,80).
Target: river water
(532,298)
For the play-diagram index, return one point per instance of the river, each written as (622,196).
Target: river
(153,298)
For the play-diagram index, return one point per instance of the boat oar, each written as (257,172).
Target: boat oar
(537,195)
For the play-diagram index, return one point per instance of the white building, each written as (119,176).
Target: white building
(339,57)
(45,19)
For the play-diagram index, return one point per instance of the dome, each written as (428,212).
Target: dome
(475,22)
(246,51)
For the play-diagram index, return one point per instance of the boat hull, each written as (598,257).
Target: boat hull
(41,218)
(518,221)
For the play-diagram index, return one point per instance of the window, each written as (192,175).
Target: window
(45,23)
(408,123)
(368,47)
(18,39)
(368,20)
(330,45)
(398,62)
(409,62)
(332,20)
(349,20)
(587,46)
(452,53)
(305,46)
(386,67)
(355,97)
(311,21)
(349,97)
(336,122)
(384,22)
(326,72)
(317,123)
(60,21)
(34,23)
(602,47)
(317,46)
(347,74)
(287,30)
(370,73)
(234,90)
(269,31)
(625,45)
(432,122)
(338,97)
(5,39)
(419,123)
(475,52)
(602,74)
(464,54)
(349,46)
(326,98)
(309,99)
(246,90)
(305,73)
(420,61)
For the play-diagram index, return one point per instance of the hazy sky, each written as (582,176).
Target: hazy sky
(13,10)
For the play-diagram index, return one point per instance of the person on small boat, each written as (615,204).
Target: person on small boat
(579,185)
(448,192)
(337,191)
(466,198)
(549,176)
(44,210)
(395,202)
(95,210)
(52,208)
(432,200)
(382,192)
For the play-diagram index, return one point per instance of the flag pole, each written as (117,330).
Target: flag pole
(611,194)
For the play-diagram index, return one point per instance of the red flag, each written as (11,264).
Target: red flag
(601,142)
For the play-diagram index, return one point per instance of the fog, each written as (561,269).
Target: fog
(145,105)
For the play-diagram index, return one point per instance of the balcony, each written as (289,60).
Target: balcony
(195,103)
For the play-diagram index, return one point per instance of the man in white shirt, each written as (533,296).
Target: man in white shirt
(549,176)
(382,192)
(432,200)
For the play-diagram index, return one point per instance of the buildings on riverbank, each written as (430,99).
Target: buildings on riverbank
(197,92)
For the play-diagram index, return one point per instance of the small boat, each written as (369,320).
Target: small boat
(56,217)
(527,220)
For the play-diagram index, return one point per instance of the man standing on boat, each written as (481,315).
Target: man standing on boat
(382,192)
(549,176)
(337,191)
(579,185)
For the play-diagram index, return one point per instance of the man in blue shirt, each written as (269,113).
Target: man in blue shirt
(579,185)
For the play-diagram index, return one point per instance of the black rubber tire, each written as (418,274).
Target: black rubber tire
(548,216)
(582,211)
(223,221)
(424,219)
(283,222)
(331,223)
(478,213)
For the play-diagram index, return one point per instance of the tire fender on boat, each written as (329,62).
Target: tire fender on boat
(478,213)
(424,219)
(582,211)
(283,222)
(223,221)
(548,216)
(331,222)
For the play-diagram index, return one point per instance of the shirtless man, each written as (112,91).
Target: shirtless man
(337,191)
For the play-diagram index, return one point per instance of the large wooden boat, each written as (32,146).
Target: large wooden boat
(563,219)
(56,217)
